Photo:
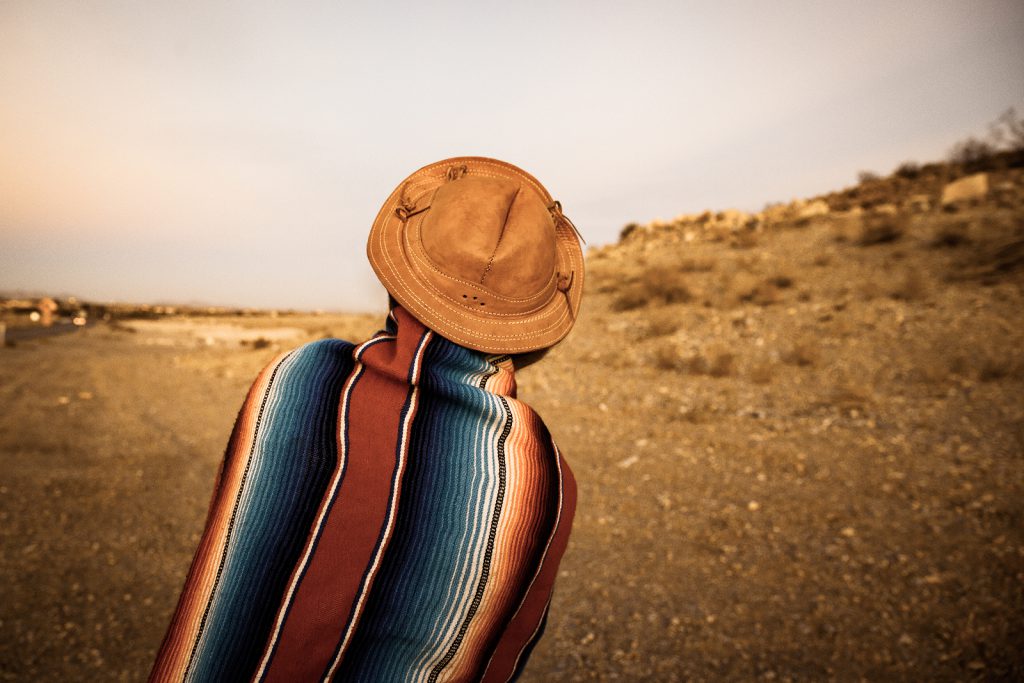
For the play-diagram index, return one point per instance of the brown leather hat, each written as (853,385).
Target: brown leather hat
(478,251)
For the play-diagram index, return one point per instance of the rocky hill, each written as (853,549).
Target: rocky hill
(798,437)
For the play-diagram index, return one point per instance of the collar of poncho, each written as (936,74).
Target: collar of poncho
(494,373)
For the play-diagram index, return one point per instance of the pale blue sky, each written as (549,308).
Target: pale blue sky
(237,152)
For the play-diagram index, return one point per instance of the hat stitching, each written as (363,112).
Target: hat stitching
(504,224)
(567,236)
(417,244)
(397,274)
(508,168)
(416,262)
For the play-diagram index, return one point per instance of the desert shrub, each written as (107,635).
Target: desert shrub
(660,326)
(971,152)
(658,285)
(715,361)
(802,353)
(866,177)
(666,284)
(628,230)
(745,287)
(629,298)
(721,363)
(781,281)
(744,239)
(950,234)
(908,169)
(666,357)
(1007,131)
(879,230)
(766,294)
(696,265)
(992,366)
(261,343)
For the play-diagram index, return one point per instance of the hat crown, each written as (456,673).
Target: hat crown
(493,232)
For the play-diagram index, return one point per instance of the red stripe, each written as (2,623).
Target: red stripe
(331,586)
(524,624)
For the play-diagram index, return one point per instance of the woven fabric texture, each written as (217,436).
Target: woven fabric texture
(387,511)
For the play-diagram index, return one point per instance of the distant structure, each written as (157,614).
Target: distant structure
(47,307)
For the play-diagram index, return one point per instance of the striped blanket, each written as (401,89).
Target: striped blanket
(387,511)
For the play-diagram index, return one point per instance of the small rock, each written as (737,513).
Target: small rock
(626,463)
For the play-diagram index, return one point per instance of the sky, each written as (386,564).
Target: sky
(236,153)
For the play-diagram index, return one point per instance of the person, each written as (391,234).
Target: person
(390,510)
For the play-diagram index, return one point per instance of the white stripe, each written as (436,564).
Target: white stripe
(403,448)
(466,576)
(244,495)
(540,565)
(357,371)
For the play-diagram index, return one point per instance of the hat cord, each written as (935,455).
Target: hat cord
(564,283)
(556,213)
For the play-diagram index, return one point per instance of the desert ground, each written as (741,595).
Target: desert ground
(799,444)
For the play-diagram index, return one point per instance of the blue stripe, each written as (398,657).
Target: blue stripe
(292,461)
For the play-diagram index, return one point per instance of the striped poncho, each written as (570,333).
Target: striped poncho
(385,512)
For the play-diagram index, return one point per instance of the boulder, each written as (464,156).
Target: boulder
(732,218)
(965,190)
(816,208)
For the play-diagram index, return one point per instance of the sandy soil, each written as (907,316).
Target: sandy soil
(800,457)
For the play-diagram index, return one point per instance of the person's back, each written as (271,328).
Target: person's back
(386,511)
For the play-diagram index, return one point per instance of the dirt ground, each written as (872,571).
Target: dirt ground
(800,457)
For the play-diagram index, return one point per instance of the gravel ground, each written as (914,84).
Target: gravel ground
(819,480)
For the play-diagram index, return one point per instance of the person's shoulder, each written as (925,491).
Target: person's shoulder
(327,350)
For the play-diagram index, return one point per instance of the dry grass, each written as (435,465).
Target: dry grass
(745,239)
(879,230)
(743,287)
(660,324)
(658,285)
(696,265)
(714,361)
(949,234)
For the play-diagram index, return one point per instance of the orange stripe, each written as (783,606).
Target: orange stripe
(183,631)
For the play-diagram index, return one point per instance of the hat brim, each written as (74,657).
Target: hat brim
(395,259)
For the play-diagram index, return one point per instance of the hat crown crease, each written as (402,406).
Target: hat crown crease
(501,233)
